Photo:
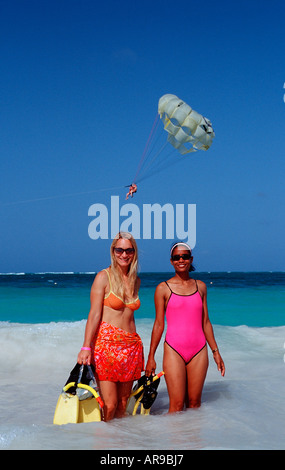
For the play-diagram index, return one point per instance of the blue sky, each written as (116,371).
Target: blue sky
(79,86)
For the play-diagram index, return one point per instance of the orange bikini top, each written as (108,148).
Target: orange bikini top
(113,301)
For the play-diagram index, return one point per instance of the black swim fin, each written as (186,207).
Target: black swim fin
(81,374)
(144,394)
(149,392)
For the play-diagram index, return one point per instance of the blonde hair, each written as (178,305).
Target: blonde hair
(116,277)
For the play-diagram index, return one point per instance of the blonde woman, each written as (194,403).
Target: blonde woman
(111,342)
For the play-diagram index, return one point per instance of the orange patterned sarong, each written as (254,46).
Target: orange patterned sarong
(118,355)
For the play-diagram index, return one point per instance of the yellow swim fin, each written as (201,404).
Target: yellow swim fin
(143,395)
(89,411)
(67,409)
(83,404)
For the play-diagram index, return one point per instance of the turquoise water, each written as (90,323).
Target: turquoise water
(253,299)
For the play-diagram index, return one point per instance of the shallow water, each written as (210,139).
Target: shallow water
(244,410)
(42,321)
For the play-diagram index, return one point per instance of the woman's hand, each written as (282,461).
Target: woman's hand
(220,363)
(150,367)
(84,357)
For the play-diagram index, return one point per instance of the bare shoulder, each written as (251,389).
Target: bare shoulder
(202,286)
(101,280)
(161,288)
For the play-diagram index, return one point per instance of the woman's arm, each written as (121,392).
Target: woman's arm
(208,329)
(96,299)
(158,327)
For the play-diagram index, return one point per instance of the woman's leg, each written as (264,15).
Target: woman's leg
(108,392)
(115,396)
(175,376)
(196,374)
(124,390)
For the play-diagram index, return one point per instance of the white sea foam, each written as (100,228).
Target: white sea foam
(244,410)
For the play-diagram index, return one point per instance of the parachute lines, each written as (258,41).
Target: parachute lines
(149,140)
(187,132)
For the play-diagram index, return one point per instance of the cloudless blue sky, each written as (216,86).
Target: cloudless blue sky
(79,87)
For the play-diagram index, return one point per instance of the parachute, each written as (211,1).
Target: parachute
(187,131)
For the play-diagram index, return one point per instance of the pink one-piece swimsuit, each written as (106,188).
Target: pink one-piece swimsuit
(184,324)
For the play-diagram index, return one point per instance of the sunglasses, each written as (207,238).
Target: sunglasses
(185,256)
(128,251)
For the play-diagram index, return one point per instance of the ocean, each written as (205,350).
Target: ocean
(42,322)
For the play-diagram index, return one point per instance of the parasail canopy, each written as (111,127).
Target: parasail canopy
(188,131)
